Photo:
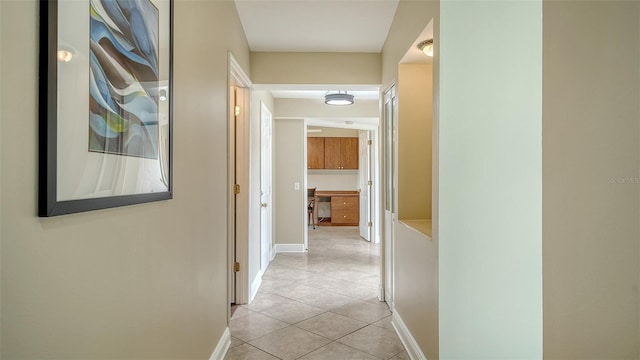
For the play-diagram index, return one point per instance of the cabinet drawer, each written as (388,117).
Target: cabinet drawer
(344,203)
(344,217)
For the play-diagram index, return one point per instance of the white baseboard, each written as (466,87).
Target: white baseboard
(273,252)
(255,285)
(409,342)
(388,299)
(223,346)
(289,248)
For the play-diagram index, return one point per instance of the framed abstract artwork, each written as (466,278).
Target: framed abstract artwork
(105,104)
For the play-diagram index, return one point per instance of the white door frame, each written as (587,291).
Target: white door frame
(375,193)
(238,173)
(305,186)
(388,216)
(266,186)
(365,180)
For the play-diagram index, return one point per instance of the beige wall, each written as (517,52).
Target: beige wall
(415,118)
(332,132)
(307,108)
(416,267)
(144,281)
(2,35)
(290,206)
(590,179)
(315,68)
(411,17)
(416,286)
(333,179)
(255,143)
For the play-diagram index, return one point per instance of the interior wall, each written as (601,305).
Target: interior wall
(315,68)
(289,168)
(415,257)
(332,132)
(143,281)
(333,179)
(410,20)
(490,218)
(416,286)
(316,108)
(255,143)
(2,85)
(415,118)
(590,179)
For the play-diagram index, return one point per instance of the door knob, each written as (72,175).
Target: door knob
(263,204)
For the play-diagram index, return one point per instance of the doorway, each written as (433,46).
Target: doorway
(341,164)
(238,184)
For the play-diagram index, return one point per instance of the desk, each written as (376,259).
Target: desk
(345,206)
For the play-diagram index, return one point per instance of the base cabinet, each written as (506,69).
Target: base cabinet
(345,210)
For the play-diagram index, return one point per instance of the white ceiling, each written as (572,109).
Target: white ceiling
(319,26)
(316,25)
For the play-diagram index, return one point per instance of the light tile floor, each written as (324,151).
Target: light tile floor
(318,306)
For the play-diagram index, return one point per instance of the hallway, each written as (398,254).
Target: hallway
(321,305)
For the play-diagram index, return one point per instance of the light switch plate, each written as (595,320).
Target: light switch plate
(296,186)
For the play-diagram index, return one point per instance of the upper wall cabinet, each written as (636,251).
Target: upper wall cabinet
(337,153)
(315,152)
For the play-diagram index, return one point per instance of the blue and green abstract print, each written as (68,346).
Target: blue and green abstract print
(123,64)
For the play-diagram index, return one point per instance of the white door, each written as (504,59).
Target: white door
(389,194)
(266,124)
(364,176)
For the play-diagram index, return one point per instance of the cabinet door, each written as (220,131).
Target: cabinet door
(315,153)
(332,153)
(350,155)
(345,210)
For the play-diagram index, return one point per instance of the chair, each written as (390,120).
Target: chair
(311,207)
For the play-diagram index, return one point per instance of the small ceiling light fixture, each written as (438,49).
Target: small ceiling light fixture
(426,47)
(162,95)
(64,56)
(339,98)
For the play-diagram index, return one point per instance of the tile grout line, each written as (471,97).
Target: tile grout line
(308,269)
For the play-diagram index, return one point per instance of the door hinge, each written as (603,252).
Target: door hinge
(236,267)
(237,110)
(370,224)
(369,142)
(370,182)
(236,189)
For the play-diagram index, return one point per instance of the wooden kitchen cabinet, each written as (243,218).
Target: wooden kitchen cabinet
(315,153)
(350,154)
(332,158)
(341,153)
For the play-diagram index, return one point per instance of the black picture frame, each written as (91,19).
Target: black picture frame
(48,203)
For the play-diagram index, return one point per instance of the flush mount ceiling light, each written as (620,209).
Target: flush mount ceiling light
(426,47)
(340,98)
(64,56)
